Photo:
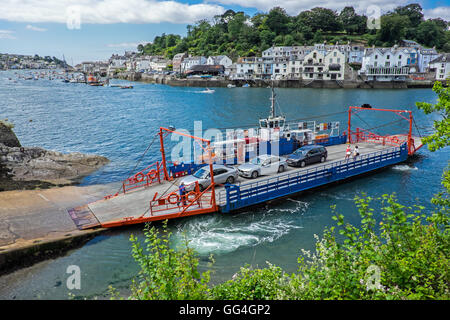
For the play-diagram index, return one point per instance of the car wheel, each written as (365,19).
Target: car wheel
(322,159)
(280,169)
(230,179)
(302,164)
(255,174)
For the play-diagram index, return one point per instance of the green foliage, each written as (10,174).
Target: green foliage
(166,273)
(235,33)
(253,284)
(441,137)
(396,252)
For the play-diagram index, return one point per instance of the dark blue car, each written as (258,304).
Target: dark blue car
(307,155)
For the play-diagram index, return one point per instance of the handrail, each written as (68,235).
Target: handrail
(254,189)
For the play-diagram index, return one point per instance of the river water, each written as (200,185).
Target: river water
(119,124)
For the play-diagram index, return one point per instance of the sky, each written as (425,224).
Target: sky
(86,30)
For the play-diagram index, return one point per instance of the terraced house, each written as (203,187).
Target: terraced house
(390,64)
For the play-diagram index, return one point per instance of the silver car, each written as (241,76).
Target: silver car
(222,174)
(262,165)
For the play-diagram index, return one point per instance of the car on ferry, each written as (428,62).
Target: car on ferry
(307,155)
(222,174)
(262,165)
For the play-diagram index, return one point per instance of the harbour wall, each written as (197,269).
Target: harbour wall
(328,84)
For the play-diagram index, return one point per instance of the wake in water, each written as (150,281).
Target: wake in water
(226,233)
(404,167)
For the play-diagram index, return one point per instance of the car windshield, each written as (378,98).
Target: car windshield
(256,161)
(201,174)
(300,152)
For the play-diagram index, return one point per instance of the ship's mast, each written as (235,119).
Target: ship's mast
(272,107)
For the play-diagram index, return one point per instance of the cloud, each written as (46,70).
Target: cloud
(439,12)
(34,28)
(294,7)
(107,11)
(7,34)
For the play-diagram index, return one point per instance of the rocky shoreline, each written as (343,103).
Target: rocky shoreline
(34,167)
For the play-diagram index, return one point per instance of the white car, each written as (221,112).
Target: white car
(265,164)
(222,174)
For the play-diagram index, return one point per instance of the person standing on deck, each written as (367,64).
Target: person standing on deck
(355,153)
(348,152)
(182,191)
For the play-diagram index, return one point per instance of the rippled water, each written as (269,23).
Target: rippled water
(119,124)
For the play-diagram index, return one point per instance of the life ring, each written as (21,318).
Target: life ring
(173,198)
(394,140)
(139,177)
(152,174)
(191,196)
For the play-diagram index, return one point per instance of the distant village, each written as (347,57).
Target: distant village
(19,62)
(337,62)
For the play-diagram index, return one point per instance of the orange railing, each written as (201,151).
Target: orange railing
(176,203)
(362,135)
(141,179)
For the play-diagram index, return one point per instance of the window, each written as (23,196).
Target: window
(338,60)
(400,56)
(331,60)
(387,57)
(334,54)
(376,56)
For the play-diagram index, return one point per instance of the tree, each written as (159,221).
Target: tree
(429,33)
(393,28)
(441,137)
(319,18)
(277,21)
(413,12)
(351,22)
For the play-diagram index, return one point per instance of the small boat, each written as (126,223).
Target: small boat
(207,90)
(246,85)
(231,85)
(126,87)
(115,85)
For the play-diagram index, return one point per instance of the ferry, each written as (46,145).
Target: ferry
(153,193)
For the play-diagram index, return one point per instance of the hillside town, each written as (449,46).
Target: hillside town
(405,61)
(20,62)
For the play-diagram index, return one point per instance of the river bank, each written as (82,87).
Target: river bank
(322,84)
(35,225)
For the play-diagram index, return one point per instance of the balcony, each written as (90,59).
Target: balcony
(387,71)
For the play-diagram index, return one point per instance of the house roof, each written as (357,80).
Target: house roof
(207,68)
(442,58)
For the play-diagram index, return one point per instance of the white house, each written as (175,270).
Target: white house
(192,61)
(277,52)
(280,68)
(388,64)
(245,68)
(442,66)
(335,65)
(177,60)
(426,55)
(313,66)
(219,60)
